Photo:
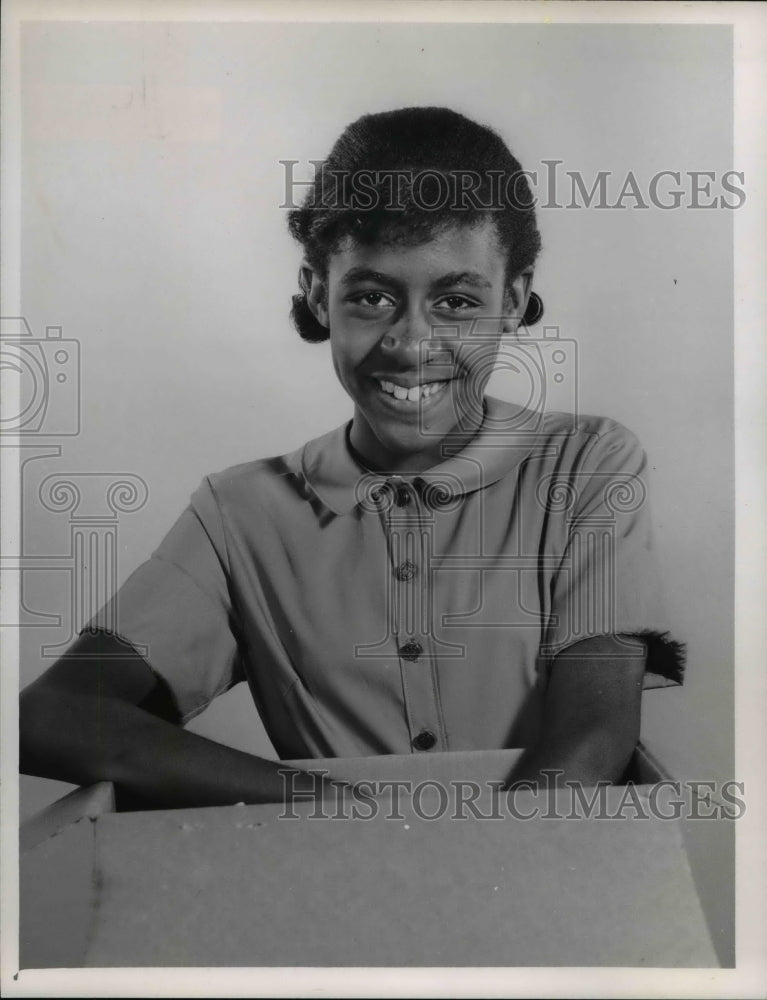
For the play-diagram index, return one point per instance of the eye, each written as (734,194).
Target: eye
(372,300)
(455,303)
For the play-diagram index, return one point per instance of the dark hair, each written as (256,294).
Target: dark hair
(401,176)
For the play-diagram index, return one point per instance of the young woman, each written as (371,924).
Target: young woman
(445,572)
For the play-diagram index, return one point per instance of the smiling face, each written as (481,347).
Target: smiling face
(414,332)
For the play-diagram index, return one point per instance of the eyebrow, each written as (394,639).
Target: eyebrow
(366,274)
(473,278)
(463,278)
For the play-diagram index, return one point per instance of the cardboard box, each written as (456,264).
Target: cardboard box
(249,886)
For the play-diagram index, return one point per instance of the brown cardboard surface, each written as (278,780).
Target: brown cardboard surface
(90,801)
(241,886)
(710,846)
(57,899)
(483,765)
(62,917)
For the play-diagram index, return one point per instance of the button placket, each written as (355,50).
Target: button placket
(405,550)
(409,523)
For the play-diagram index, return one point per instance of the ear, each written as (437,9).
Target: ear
(517,294)
(315,290)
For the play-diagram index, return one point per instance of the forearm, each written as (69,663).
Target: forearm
(88,738)
(587,758)
(591,714)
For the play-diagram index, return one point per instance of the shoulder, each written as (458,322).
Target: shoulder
(586,427)
(264,482)
(593,441)
(520,424)
(248,483)
(559,444)
(258,473)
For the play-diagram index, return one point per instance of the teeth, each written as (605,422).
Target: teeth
(413,394)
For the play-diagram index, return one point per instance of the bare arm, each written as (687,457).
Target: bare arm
(107,717)
(591,714)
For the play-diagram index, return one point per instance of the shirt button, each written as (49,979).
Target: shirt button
(406,571)
(402,498)
(425,740)
(410,650)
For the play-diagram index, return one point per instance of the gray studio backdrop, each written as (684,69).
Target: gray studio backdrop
(153,237)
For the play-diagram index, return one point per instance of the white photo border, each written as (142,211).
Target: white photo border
(749,978)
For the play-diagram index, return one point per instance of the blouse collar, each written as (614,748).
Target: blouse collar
(507,436)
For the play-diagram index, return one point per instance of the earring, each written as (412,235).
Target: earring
(533,310)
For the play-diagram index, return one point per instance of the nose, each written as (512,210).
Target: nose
(408,338)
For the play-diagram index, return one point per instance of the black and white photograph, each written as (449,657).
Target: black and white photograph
(378,583)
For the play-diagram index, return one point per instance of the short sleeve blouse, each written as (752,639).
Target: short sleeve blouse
(365,610)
